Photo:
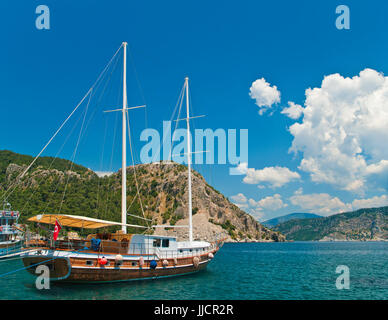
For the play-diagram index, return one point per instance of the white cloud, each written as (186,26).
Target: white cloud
(320,203)
(344,132)
(272,203)
(325,204)
(299,191)
(376,201)
(103,173)
(264,94)
(256,208)
(275,176)
(294,111)
(239,198)
(242,168)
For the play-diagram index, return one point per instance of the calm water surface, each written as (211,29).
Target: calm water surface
(296,270)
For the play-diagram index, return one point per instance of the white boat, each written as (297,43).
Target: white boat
(10,240)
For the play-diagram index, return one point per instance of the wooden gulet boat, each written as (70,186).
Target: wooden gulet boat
(109,257)
(117,256)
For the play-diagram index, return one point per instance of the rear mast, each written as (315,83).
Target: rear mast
(189,160)
(124,147)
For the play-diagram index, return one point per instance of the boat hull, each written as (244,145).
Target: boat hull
(67,269)
(60,268)
(116,275)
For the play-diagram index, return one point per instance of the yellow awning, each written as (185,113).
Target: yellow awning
(77,221)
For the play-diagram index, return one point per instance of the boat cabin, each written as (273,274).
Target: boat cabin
(142,242)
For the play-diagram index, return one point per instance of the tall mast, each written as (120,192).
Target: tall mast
(189,160)
(124,148)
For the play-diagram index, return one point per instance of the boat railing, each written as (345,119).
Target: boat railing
(179,253)
(124,248)
(7,229)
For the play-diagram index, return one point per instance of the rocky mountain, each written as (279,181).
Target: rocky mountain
(363,224)
(275,221)
(57,185)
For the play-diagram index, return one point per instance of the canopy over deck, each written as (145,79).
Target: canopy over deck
(78,221)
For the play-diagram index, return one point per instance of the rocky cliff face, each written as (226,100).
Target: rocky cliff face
(162,188)
(212,212)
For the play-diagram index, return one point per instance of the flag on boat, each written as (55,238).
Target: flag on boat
(57,228)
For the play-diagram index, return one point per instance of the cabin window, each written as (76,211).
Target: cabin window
(165,243)
(156,243)
(89,262)
(134,263)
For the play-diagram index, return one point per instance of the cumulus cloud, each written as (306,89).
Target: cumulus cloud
(272,203)
(264,94)
(242,168)
(239,198)
(294,111)
(104,173)
(275,176)
(299,191)
(344,132)
(326,205)
(321,203)
(256,208)
(376,201)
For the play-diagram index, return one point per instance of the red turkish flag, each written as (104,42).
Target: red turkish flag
(57,228)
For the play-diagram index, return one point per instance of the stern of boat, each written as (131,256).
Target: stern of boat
(59,267)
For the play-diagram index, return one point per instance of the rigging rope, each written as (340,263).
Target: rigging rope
(133,164)
(75,152)
(114,141)
(17,180)
(179,102)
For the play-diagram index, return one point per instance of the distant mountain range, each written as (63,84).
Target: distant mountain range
(363,224)
(275,221)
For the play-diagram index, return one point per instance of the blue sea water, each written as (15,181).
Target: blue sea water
(294,270)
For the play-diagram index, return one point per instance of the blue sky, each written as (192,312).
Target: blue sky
(223,46)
